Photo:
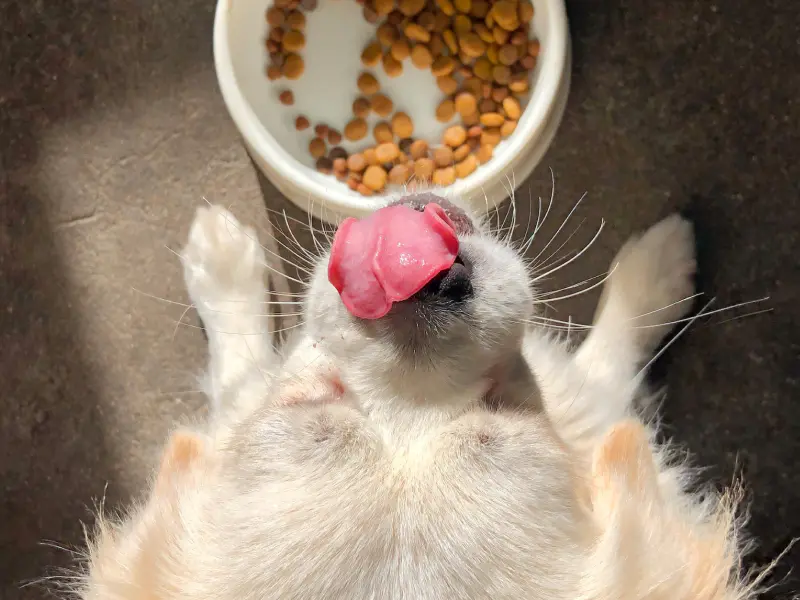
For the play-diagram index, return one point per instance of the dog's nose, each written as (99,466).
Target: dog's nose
(461,221)
(454,284)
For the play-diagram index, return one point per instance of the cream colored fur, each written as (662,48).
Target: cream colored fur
(354,469)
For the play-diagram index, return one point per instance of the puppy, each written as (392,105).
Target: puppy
(449,449)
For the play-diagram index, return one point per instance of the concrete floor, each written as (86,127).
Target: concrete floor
(112,131)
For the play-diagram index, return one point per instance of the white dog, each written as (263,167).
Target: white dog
(449,449)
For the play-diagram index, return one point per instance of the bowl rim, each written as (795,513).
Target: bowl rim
(284,165)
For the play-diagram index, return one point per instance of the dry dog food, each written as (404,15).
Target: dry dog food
(480,53)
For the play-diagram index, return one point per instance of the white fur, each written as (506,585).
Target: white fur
(360,467)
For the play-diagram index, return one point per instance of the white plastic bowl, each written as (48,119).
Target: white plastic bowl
(335,35)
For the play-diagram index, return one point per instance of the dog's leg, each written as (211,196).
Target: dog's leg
(649,288)
(224,272)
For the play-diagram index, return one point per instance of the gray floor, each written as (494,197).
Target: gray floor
(112,131)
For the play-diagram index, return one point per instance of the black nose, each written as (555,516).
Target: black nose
(460,219)
(454,284)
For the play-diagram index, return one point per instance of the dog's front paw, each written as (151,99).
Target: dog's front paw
(652,279)
(223,260)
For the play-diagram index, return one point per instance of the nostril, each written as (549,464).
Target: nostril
(454,284)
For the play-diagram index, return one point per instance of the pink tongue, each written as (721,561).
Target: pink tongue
(389,256)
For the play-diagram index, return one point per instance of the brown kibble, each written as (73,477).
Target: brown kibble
(465,72)
(368,84)
(374,178)
(411,7)
(293,67)
(382,132)
(508,128)
(487,105)
(421,57)
(447,7)
(525,10)
(500,35)
(484,33)
(273,72)
(423,168)
(499,94)
(444,65)
(355,130)
(402,158)
(296,20)
(466,166)
(534,47)
(463,6)
(445,110)
(505,14)
(491,136)
(466,103)
(507,55)
(361,107)
(363,190)
(405,144)
(486,92)
(472,45)
(400,49)
(447,84)
(402,125)
(324,165)
(356,162)
(441,22)
(473,86)
(474,131)
(450,41)
(443,156)
(387,34)
(528,62)
(371,55)
(391,65)
(309,5)
(286,97)
(436,45)
(370,16)
(461,25)
(321,130)
(519,38)
(470,120)
(317,147)
(387,152)
(301,123)
(399,174)
(427,20)
(417,33)
(418,149)
(340,164)
(383,7)
(275,17)
(293,41)
(512,108)
(455,136)
(480,8)
(519,83)
(273,48)
(444,176)
(353,183)
(382,105)
(483,68)
(395,17)
(501,74)
(461,152)
(334,137)
(337,152)
(484,153)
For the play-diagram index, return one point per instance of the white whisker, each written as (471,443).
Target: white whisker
(578,255)
(599,283)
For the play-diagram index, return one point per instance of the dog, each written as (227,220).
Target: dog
(452,448)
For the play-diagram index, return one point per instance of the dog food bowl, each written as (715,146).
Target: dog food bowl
(336,33)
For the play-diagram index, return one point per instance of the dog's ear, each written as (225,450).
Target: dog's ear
(623,465)
(180,462)
(660,543)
